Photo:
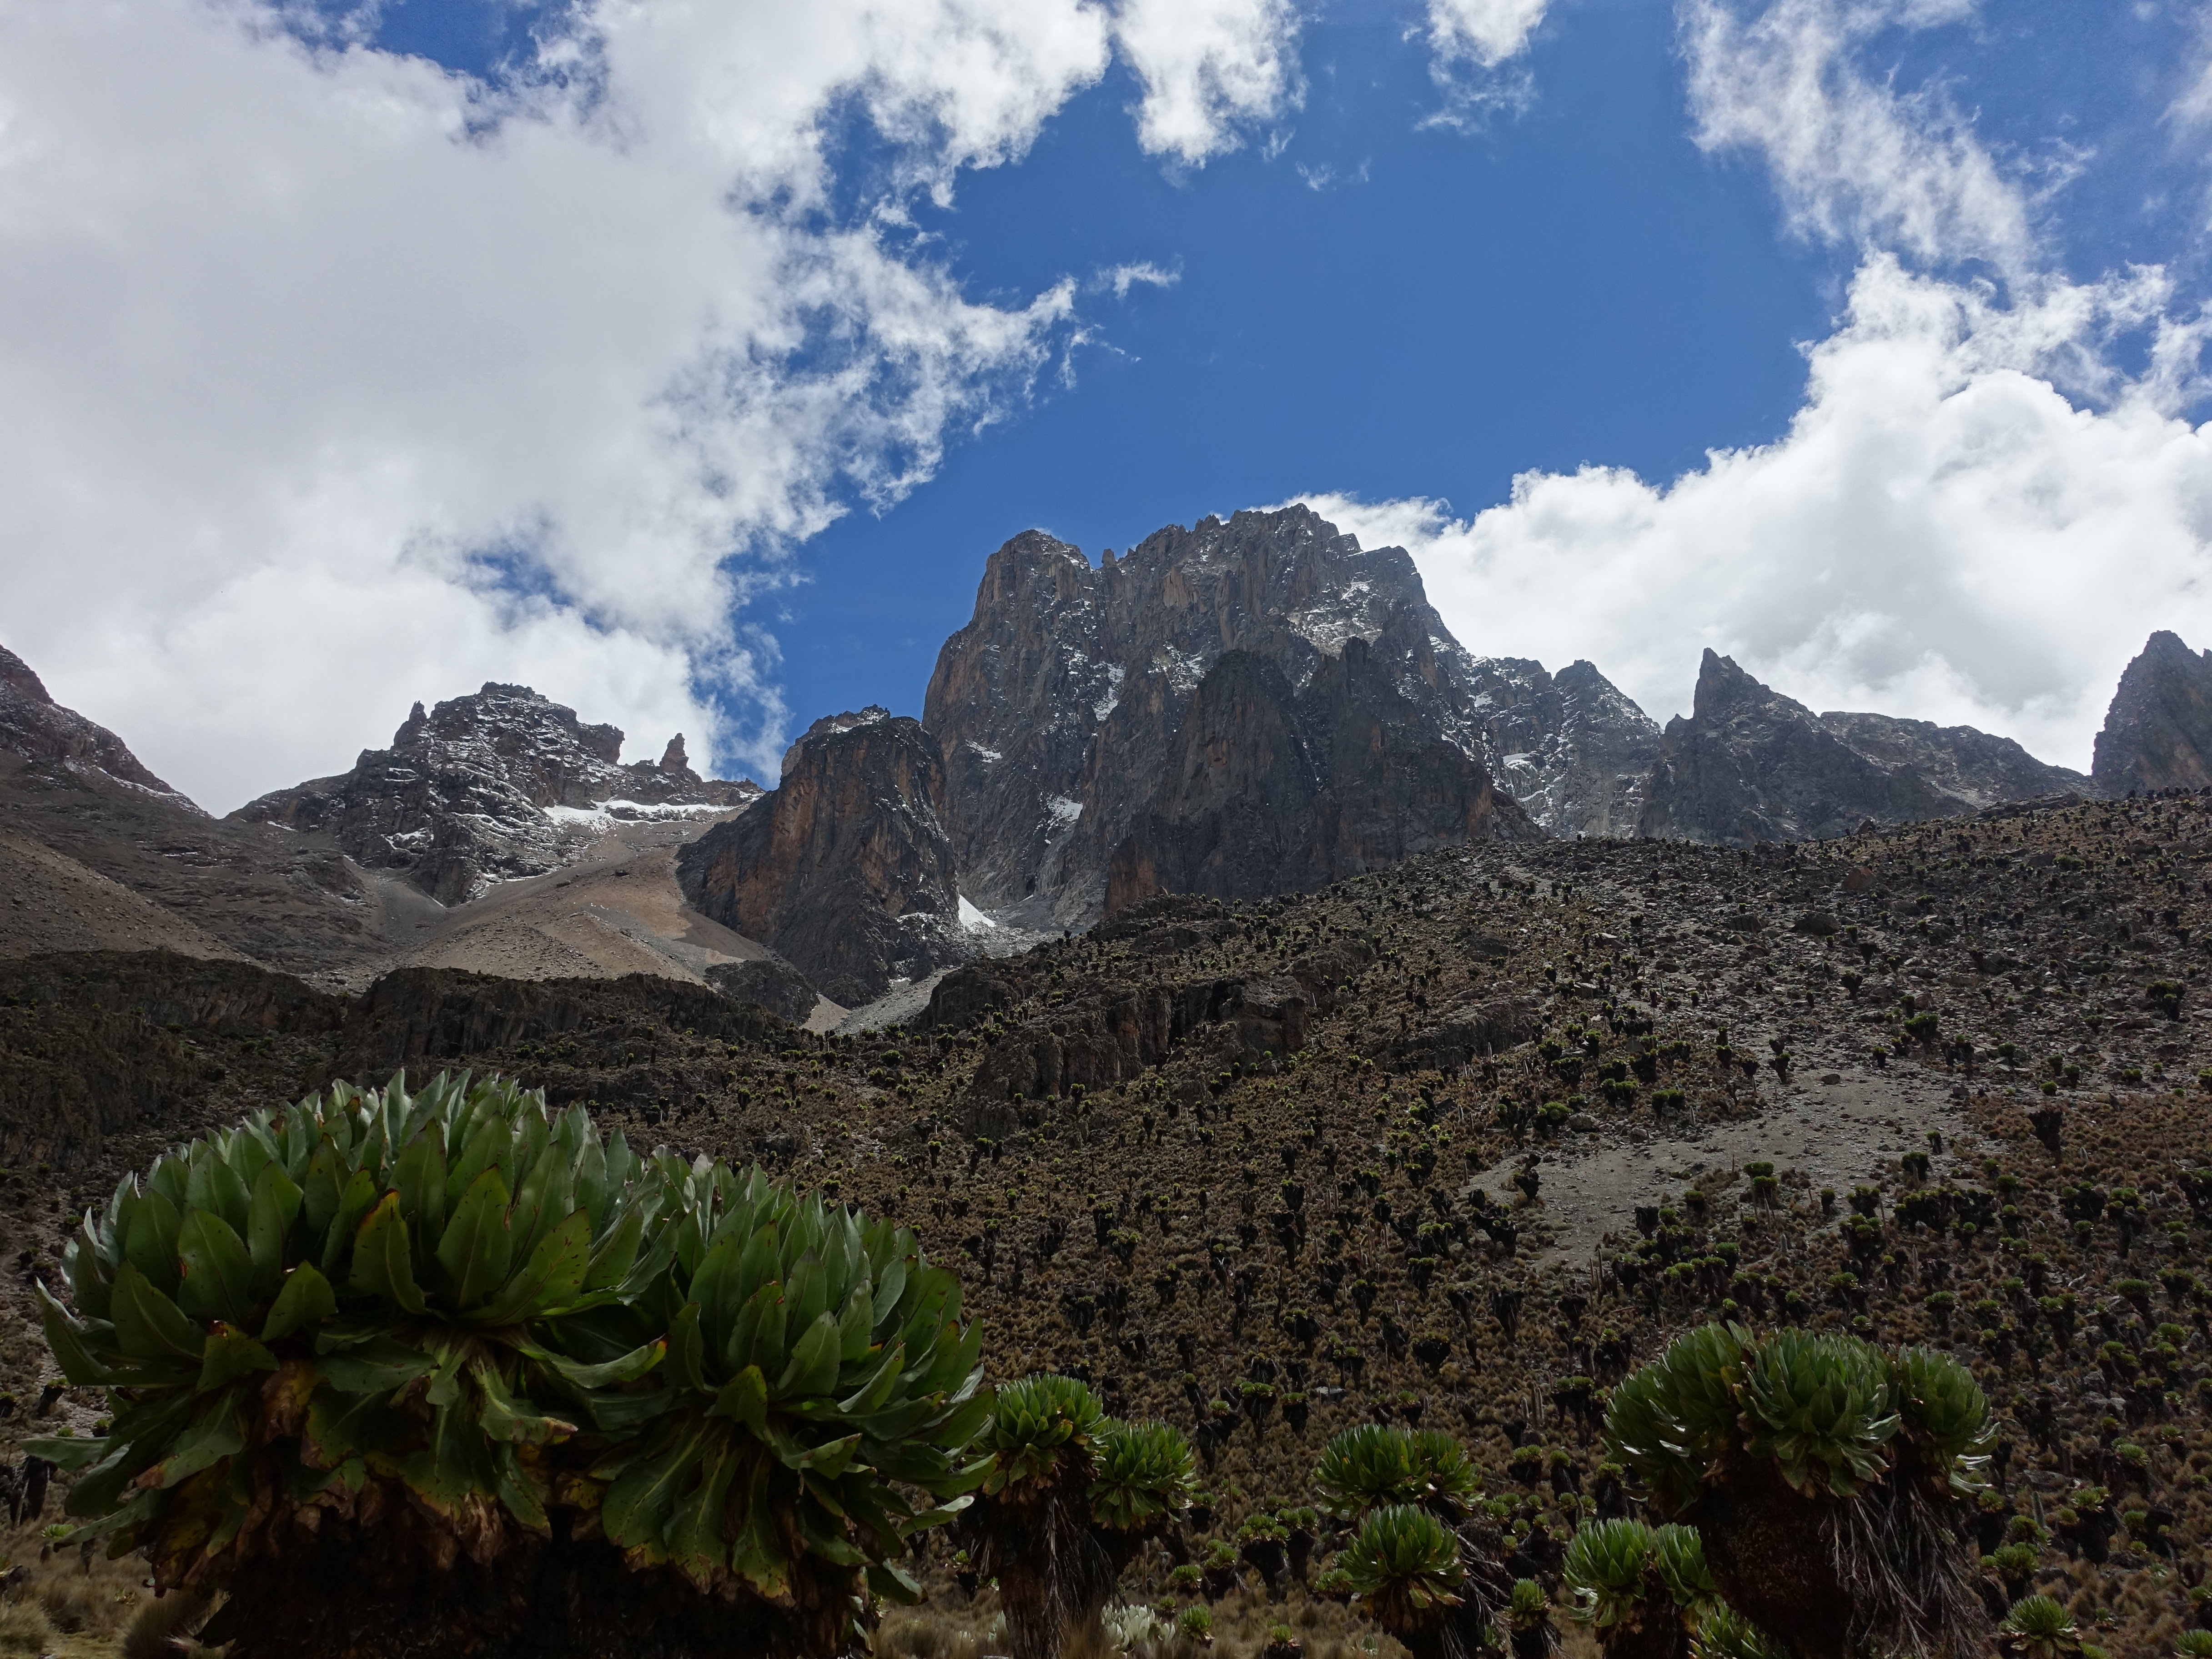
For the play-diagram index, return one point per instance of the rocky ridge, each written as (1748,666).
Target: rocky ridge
(1750,765)
(1058,704)
(491,786)
(2158,731)
(845,868)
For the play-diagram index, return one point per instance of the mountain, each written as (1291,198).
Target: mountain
(96,852)
(1751,765)
(844,868)
(1058,705)
(1268,790)
(491,787)
(2158,731)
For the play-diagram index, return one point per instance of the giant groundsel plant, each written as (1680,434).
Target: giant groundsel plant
(460,1307)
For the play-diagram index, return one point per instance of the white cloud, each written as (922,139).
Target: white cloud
(1486,33)
(1141,273)
(1210,68)
(1942,533)
(1855,159)
(329,380)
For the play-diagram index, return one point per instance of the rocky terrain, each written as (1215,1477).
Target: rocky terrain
(844,868)
(1058,705)
(489,787)
(2158,732)
(1269,791)
(1456,1143)
(1750,765)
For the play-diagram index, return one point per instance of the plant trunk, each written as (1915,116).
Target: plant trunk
(1770,1552)
(378,1592)
(1054,1578)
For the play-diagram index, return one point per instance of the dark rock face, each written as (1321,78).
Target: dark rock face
(1750,765)
(845,867)
(1059,705)
(1268,791)
(35,726)
(475,791)
(2158,731)
(1973,766)
(74,789)
(768,983)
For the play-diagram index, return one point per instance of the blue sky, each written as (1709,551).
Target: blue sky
(689,370)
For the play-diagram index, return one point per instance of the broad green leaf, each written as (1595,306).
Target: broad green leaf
(377,1367)
(217,1274)
(476,1248)
(381,1264)
(422,1182)
(553,1279)
(743,1397)
(696,1543)
(813,1367)
(217,1435)
(77,1361)
(615,1254)
(150,1245)
(355,1199)
(686,1348)
(276,1203)
(231,1355)
(641,1504)
(628,1368)
(307,1299)
(148,1324)
(855,1328)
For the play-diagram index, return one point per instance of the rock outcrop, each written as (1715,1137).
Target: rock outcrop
(1751,765)
(845,868)
(1059,704)
(1268,790)
(1973,767)
(498,785)
(1570,747)
(34,726)
(97,852)
(766,982)
(2158,731)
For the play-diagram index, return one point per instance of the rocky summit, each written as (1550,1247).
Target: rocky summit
(1750,765)
(1058,706)
(499,785)
(2158,732)
(844,868)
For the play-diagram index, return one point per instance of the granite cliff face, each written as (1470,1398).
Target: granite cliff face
(1058,705)
(1271,790)
(501,784)
(1750,765)
(845,868)
(1569,747)
(2158,731)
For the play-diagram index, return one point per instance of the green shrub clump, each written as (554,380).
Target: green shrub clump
(412,1328)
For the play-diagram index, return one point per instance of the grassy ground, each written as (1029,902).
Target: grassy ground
(1513,1135)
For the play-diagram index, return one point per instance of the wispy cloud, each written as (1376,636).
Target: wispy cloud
(345,381)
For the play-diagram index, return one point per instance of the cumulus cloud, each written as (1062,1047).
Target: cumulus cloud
(1486,33)
(1209,68)
(1853,158)
(1990,496)
(329,379)
(1941,533)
